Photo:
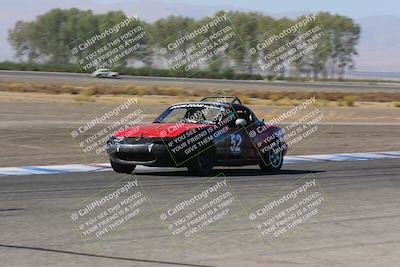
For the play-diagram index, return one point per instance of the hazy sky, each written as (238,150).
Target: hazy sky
(149,10)
(353,8)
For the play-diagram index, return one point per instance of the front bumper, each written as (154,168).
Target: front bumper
(148,154)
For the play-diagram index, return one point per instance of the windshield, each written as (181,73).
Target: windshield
(192,113)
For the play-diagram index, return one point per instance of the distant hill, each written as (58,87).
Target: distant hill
(379,47)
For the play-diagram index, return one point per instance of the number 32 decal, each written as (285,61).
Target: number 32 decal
(236,141)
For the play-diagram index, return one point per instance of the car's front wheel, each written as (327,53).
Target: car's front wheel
(272,160)
(122,168)
(203,163)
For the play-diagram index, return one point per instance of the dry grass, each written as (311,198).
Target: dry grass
(349,100)
(321,103)
(15,87)
(286,101)
(89,91)
(277,97)
(274,97)
(84,98)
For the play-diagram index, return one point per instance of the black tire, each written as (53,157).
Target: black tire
(272,161)
(203,163)
(122,168)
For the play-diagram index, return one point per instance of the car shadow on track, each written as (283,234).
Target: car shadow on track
(228,172)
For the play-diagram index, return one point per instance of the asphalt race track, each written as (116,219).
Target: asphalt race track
(360,228)
(36,76)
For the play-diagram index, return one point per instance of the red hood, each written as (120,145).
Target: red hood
(158,130)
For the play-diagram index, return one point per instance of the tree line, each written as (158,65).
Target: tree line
(46,41)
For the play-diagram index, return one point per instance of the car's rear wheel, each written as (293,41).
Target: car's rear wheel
(272,160)
(203,163)
(122,168)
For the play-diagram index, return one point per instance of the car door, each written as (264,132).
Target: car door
(239,146)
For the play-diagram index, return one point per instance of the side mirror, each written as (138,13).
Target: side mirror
(241,122)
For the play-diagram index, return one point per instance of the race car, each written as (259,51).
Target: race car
(105,73)
(216,131)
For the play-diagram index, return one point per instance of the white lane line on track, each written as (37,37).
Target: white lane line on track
(96,167)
